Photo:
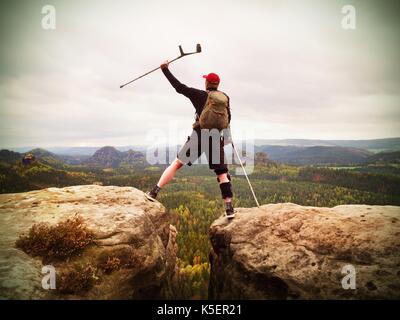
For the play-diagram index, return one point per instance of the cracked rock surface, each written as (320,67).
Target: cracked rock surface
(287,251)
(124,223)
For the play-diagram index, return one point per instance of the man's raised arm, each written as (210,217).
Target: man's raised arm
(179,87)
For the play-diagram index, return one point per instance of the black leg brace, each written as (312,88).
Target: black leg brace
(226,190)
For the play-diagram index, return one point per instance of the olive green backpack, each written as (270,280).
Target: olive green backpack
(215,111)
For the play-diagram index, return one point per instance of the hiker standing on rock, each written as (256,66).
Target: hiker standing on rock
(212,115)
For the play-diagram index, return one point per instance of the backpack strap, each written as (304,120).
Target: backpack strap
(228,107)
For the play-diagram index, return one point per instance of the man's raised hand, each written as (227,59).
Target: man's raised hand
(164,65)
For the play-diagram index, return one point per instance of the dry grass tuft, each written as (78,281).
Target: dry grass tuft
(57,242)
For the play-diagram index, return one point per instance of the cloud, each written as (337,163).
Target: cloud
(289,68)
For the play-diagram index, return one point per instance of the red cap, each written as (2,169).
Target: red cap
(211,77)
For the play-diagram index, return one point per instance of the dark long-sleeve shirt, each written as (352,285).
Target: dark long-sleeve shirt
(196,96)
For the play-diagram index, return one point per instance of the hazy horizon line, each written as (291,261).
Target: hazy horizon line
(145,145)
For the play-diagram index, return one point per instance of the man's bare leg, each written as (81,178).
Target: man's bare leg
(169,173)
(166,177)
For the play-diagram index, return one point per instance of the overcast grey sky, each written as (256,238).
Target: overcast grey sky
(289,67)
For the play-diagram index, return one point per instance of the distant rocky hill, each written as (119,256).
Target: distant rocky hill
(287,251)
(105,157)
(48,158)
(110,157)
(131,156)
(42,153)
(44,156)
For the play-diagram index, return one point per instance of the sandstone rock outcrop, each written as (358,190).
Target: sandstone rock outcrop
(287,251)
(127,228)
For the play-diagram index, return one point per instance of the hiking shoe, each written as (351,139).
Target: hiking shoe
(230,211)
(152,194)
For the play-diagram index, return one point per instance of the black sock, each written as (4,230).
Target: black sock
(229,206)
(156,189)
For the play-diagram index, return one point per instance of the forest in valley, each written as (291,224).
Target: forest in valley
(193,197)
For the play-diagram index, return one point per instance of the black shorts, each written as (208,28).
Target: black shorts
(214,151)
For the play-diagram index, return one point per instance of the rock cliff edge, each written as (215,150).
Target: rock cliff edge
(287,251)
(132,252)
